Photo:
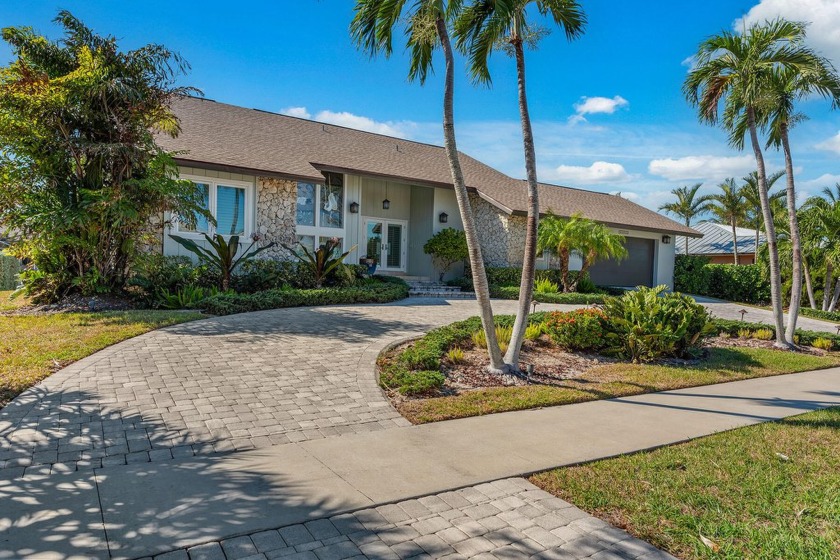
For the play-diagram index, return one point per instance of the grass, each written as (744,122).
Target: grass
(616,380)
(34,346)
(767,491)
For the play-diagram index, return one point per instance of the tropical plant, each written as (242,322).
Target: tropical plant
(186,297)
(752,198)
(588,238)
(447,247)
(534,332)
(546,286)
(324,260)
(688,205)
(455,355)
(223,255)
(821,229)
(427,28)
(81,175)
(576,330)
(481,27)
(733,70)
(728,207)
(823,343)
(763,334)
(648,323)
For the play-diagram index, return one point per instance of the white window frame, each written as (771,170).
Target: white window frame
(318,231)
(213,186)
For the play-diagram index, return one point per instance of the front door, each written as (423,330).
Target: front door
(386,242)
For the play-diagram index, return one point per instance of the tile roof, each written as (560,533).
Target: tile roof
(717,240)
(249,140)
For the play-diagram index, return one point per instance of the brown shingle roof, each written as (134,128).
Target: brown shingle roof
(230,137)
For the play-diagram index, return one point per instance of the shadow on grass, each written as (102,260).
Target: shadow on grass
(829,418)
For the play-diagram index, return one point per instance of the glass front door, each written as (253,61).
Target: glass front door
(385,242)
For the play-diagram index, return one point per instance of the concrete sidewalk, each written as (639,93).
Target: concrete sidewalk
(146,508)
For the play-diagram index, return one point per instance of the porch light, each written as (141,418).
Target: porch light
(354,207)
(386,204)
(444,217)
(666,239)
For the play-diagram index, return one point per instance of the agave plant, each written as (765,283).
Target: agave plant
(322,261)
(223,256)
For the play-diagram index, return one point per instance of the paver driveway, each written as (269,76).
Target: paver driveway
(220,384)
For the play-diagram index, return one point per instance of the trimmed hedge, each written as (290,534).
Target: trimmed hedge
(820,314)
(380,289)
(573,298)
(806,338)
(9,270)
(743,283)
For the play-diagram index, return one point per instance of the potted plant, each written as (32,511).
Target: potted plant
(370,263)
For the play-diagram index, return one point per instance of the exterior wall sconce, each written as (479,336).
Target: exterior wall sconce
(354,207)
(443,218)
(386,204)
(666,239)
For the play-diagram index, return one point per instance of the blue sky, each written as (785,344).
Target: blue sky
(607,109)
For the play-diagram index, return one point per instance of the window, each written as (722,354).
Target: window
(320,210)
(228,201)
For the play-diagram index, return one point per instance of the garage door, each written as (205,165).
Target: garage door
(635,270)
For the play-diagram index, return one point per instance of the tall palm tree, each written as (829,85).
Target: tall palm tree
(562,236)
(832,194)
(814,76)
(483,26)
(752,197)
(728,207)
(821,225)
(734,70)
(688,205)
(427,27)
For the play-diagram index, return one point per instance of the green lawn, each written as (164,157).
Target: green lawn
(770,491)
(34,346)
(615,380)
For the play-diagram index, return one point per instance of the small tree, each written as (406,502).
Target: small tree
(447,247)
(80,173)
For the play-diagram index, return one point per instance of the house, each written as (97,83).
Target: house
(717,243)
(295,180)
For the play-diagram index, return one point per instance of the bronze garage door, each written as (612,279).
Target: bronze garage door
(635,270)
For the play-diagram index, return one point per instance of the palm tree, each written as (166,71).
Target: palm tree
(562,236)
(832,194)
(688,205)
(483,26)
(814,76)
(599,243)
(752,197)
(821,227)
(728,207)
(427,28)
(734,70)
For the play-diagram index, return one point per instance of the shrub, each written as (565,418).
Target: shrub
(223,255)
(503,336)
(155,273)
(647,324)
(186,297)
(744,283)
(745,333)
(807,338)
(455,355)
(447,247)
(323,261)
(380,289)
(546,286)
(479,339)
(576,330)
(823,343)
(9,270)
(820,314)
(763,334)
(690,275)
(534,332)
(574,298)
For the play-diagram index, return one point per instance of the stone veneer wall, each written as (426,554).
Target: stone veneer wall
(502,236)
(276,214)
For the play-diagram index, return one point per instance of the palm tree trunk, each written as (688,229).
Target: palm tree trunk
(479,276)
(770,232)
(564,269)
(526,287)
(687,224)
(829,269)
(734,241)
(755,249)
(834,299)
(809,285)
(796,242)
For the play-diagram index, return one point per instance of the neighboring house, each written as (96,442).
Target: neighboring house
(294,180)
(717,243)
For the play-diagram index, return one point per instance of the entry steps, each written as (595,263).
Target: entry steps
(419,288)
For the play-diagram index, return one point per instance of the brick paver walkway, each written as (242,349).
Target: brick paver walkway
(217,385)
(505,519)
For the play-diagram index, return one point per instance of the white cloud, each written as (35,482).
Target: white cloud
(823,15)
(400,129)
(299,112)
(595,105)
(831,145)
(701,167)
(598,172)
(824,180)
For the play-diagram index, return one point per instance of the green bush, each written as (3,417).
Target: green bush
(155,273)
(731,327)
(9,270)
(576,330)
(744,283)
(380,289)
(573,298)
(447,247)
(647,324)
(187,297)
(820,314)
(546,286)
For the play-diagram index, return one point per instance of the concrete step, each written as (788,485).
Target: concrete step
(442,295)
(436,289)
